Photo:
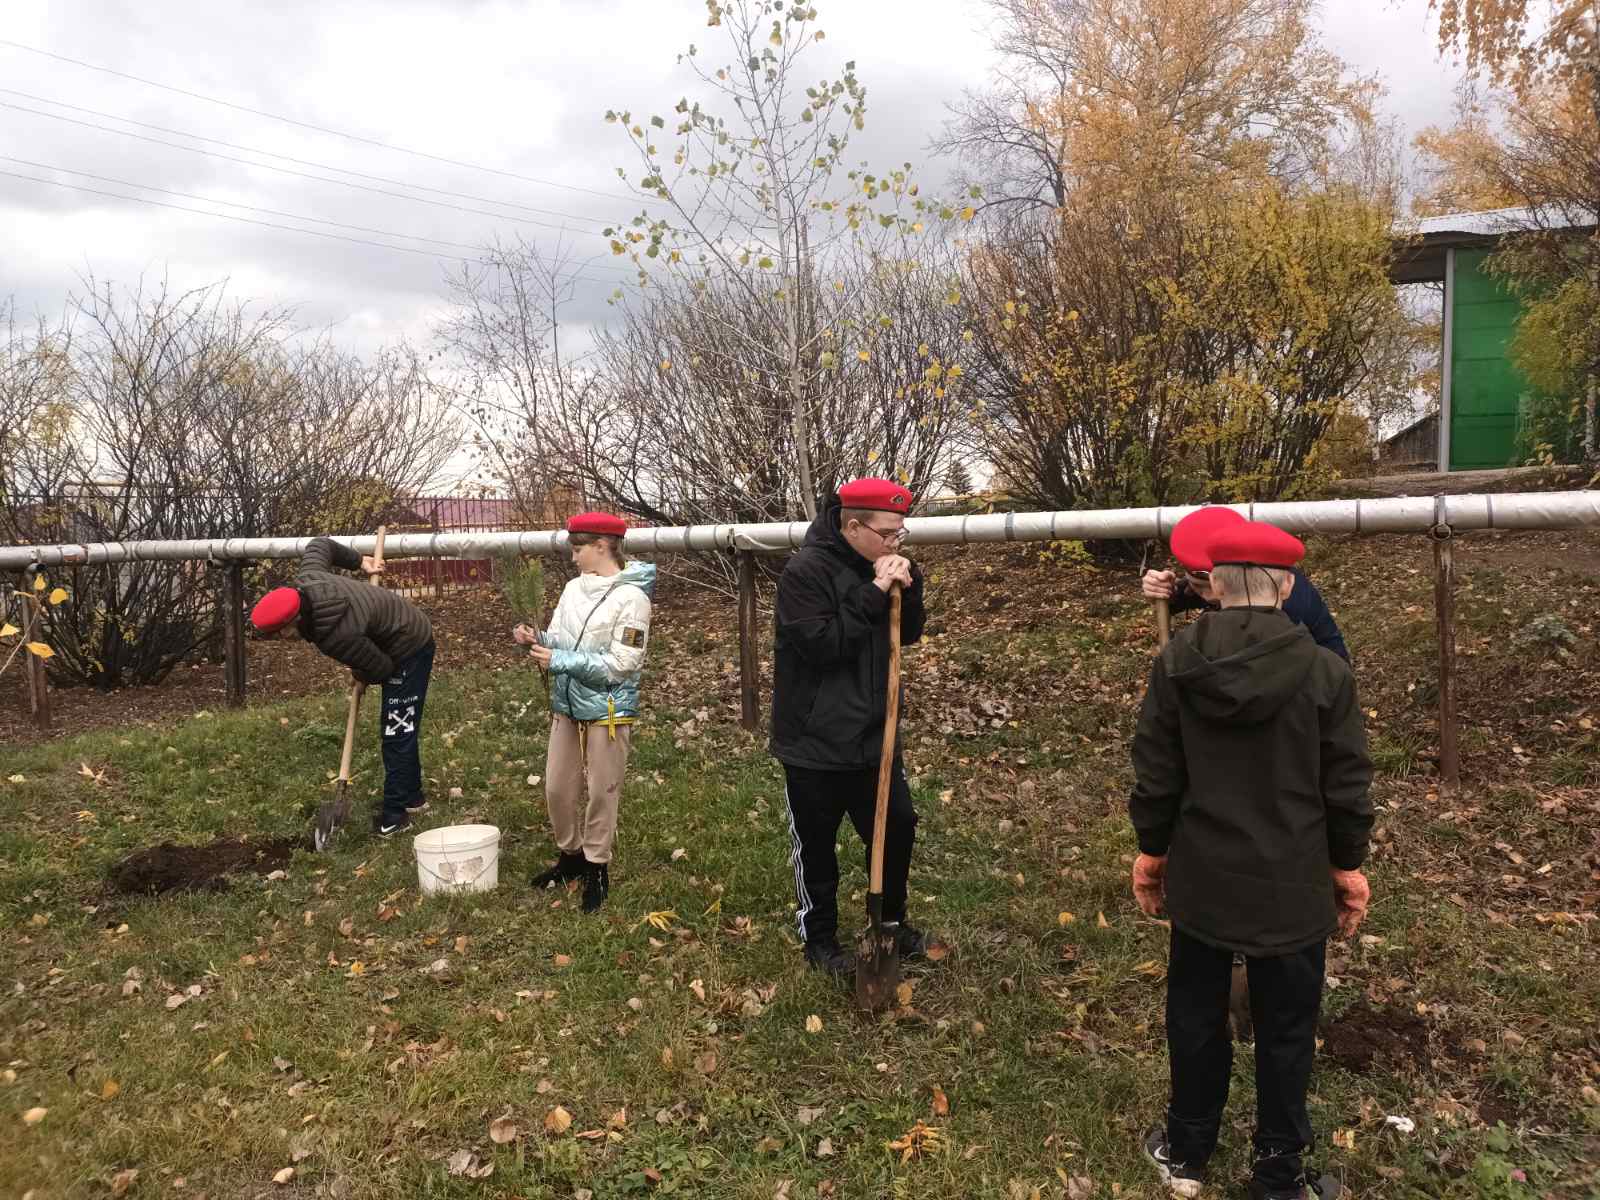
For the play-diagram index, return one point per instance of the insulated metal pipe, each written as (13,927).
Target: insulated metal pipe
(1406,514)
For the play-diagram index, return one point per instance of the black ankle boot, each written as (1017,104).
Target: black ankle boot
(596,885)
(566,868)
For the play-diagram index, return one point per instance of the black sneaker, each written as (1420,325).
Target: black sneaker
(1180,1178)
(830,957)
(419,805)
(567,868)
(1325,1188)
(596,885)
(389,826)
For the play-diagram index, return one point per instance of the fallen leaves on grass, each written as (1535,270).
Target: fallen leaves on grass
(123,1180)
(941,1102)
(813,1024)
(920,1139)
(34,1115)
(502,1130)
(467,1165)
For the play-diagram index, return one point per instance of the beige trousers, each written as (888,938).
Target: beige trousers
(580,749)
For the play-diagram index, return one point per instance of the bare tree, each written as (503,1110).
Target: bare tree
(761,205)
(526,396)
(162,415)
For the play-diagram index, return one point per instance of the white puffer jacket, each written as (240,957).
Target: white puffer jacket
(600,632)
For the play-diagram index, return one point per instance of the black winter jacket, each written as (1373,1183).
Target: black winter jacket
(1251,773)
(831,653)
(368,629)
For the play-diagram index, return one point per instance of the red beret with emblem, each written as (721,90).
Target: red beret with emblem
(276,609)
(1191,537)
(880,495)
(1256,544)
(598,522)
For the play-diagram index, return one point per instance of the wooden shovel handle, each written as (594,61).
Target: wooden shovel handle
(891,722)
(356,692)
(357,688)
(1163,622)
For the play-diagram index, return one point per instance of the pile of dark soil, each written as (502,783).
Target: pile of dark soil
(173,868)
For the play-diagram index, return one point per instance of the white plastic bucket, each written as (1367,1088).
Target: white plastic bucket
(458,858)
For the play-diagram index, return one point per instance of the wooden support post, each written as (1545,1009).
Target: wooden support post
(1444,602)
(749,657)
(438,566)
(33,665)
(234,662)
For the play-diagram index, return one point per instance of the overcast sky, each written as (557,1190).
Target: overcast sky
(516,90)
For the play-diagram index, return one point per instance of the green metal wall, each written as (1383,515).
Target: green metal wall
(1485,388)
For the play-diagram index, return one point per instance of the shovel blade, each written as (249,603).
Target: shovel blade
(330,815)
(878,966)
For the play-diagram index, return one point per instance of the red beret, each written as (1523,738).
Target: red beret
(1191,537)
(882,495)
(598,522)
(1256,544)
(276,609)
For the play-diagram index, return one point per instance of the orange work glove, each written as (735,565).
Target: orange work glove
(1149,882)
(1351,893)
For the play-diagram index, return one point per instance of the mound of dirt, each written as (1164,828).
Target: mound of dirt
(173,868)
(1364,1037)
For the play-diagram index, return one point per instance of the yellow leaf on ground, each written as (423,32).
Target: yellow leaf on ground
(59,596)
(40,650)
(557,1120)
(38,583)
(9,630)
(941,1102)
(813,1024)
(110,1089)
(34,1115)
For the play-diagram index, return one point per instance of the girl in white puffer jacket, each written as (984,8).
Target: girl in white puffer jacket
(594,649)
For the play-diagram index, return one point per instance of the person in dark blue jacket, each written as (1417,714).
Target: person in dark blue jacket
(1190,537)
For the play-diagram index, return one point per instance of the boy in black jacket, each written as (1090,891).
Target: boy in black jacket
(383,639)
(829,697)
(1190,542)
(1251,807)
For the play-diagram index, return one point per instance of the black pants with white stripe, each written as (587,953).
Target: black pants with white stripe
(818,802)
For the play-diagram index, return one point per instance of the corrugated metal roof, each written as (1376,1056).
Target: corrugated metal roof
(1489,223)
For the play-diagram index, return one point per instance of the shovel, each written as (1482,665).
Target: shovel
(331,813)
(878,952)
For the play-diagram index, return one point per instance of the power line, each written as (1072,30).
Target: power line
(257,112)
(549,212)
(272,212)
(338,237)
(128,133)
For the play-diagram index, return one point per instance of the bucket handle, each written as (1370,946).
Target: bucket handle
(459,883)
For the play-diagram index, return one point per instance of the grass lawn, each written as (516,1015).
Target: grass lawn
(333,1021)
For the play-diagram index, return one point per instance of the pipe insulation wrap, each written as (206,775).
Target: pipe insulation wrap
(1406,514)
